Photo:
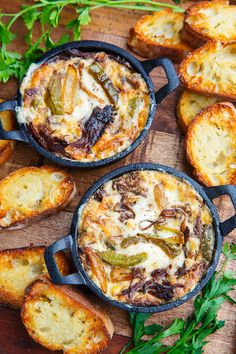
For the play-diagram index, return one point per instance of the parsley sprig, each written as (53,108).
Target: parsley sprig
(193,331)
(48,14)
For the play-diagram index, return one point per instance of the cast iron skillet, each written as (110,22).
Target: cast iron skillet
(70,241)
(144,68)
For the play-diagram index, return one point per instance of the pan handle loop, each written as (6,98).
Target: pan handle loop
(173,80)
(213,192)
(13,134)
(53,270)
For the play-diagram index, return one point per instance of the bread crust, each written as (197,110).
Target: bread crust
(28,258)
(204,71)
(198,33)
(6,152)
(189,105)
(6,146)
(73,300)
(191,37)
(21,217)
(150,47)
(213,117)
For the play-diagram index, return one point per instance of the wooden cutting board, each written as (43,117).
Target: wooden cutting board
(164,144)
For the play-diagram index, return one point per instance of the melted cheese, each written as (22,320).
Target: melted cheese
(60,96)
(104,222)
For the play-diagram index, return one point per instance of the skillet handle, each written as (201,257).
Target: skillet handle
(13,134)
(55,274)
(213,192)
(173,81)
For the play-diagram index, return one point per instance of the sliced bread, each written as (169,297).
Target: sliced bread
(210,20)
(6,146)
(211,70)
(19,267)
(189,105)
(211,144)
(159,35)
(61,318)
(32,193)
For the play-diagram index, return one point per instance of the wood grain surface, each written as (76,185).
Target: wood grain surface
(164,144)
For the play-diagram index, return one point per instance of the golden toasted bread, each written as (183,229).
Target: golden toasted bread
(210,20)
(61,318)
(6,146)
(19,267)
(211,144)
(211,70)
(189,105)
(159,35)
(6,152)
(32,193)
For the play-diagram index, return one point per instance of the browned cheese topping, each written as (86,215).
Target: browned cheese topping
(146,238)
(84,107)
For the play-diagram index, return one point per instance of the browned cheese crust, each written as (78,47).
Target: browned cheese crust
(85,107)
(146,238)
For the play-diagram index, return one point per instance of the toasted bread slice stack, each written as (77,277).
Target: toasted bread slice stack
(60,318)
(6,146)
(19,267)
(189,105)
(211,144)
(210,20)
(32,193)
(159,35)
(211,70)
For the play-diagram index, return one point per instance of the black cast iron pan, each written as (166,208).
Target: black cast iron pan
(70,241)
(142,67)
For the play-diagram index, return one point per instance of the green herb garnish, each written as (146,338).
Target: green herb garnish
(193,331)
(48,14)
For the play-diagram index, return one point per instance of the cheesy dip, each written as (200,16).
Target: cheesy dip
(146,238)
(84,107)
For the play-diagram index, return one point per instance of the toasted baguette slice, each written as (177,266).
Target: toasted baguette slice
(32,193)
(211,70)
(210,20)
(6,152)
(189,105)
(6,146)
(211,144)
(159,35)
(19,267)
(61,318)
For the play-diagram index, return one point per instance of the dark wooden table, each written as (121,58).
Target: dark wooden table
(164,144)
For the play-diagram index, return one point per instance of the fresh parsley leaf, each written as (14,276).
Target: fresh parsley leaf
(29,17)
(230,299)
(84,17)
(75,26)
(152,329)
(229,251)
(47,13)
(64,39)
(6,35)
(54,17)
